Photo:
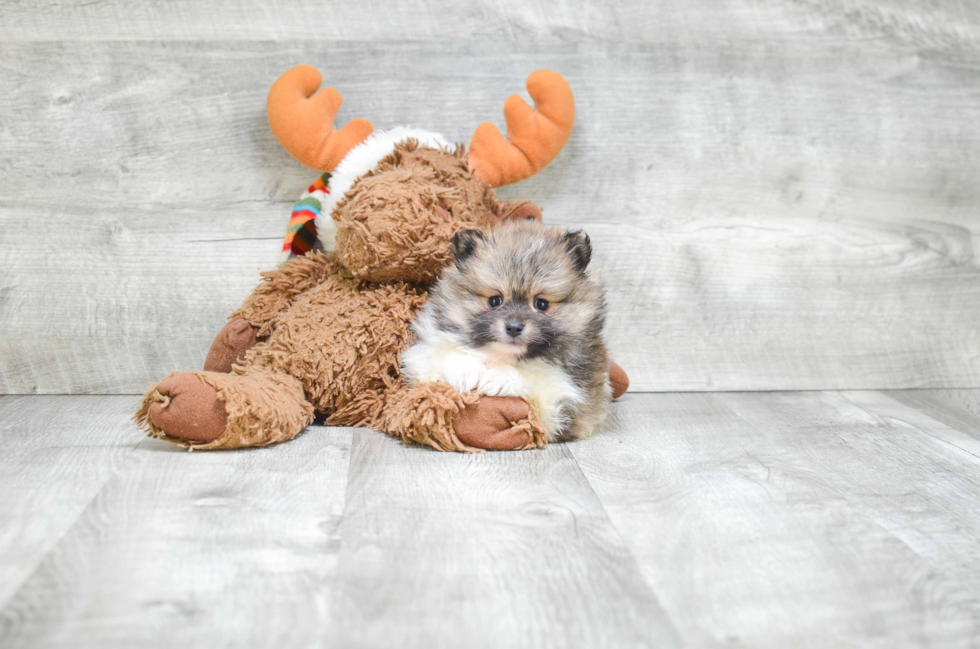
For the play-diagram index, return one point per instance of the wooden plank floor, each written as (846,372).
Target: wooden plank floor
(806,519)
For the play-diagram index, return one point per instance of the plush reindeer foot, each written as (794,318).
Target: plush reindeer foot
(212,410)
(487,424)
(188,409)
(230,345)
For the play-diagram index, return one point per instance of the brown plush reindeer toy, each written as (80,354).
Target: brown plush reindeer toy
(324,332)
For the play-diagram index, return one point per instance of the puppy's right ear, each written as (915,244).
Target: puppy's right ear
(464,245)
(579,247)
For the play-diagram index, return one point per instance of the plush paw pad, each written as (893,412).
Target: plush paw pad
(488,424)
(189,409)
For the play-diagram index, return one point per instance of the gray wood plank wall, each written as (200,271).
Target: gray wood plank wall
(781,195)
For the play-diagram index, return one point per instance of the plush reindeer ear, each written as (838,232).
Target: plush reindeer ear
(464,244)
(579,248)
(521,211)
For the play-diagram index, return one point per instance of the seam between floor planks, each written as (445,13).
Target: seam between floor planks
(68,528)
(872,513)
(114,464)
(956,440)
(171,527)
(555,568)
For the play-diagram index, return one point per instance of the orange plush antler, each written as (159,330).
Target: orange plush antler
(534,137)
(303,121)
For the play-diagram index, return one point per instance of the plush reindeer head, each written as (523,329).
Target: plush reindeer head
(394,199)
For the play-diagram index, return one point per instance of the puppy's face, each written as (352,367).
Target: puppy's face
(519,290)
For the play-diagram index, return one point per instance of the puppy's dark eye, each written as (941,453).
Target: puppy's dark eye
(541,304)
(495,301)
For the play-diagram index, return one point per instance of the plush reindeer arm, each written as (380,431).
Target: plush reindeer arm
(436,415)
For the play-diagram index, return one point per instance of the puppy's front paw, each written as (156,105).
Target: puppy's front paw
(499,383)
(462,372)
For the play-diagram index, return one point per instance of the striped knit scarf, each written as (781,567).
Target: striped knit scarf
(301,234)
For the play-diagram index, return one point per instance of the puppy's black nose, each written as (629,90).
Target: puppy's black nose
(514,328)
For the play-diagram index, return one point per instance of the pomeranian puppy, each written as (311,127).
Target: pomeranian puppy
(519,313)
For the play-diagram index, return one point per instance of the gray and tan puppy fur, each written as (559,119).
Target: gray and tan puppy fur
(519,312)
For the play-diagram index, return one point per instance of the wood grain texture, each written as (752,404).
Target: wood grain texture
(767,214)
(132,296)
(934,22)
(944,428)
(958,409)
(203,549)
(494,550)
(766,520)
(794,519)
(56,453)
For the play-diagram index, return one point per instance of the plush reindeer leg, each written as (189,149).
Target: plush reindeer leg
(437,415)
(279,288)
(209,410)
(256,317)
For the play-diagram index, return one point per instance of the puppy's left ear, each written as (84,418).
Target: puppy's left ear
(579,247)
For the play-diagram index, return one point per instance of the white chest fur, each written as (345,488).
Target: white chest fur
(549,388)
